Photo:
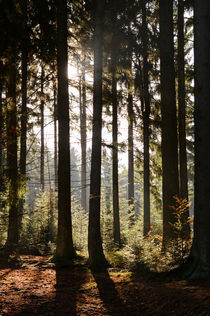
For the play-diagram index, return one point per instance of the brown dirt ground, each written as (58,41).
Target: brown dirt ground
(38,287)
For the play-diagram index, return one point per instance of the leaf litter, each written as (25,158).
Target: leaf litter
(39,287)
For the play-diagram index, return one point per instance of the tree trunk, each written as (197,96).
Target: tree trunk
(1,130)
(55,116)
(24,62)
(115,180)
(169,120)
(130,158)
(12,168)
(83,135)
(199,261)
(146,114)
(181,119)
(96,256)
(42,131)
(65,247)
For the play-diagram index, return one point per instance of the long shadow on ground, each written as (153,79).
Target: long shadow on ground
(166,294)
(68,283)
(63,301)
(109,294)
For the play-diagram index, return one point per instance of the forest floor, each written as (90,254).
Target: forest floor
(38,287)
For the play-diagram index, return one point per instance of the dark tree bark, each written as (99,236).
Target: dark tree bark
(130,157)
(169,119)
(115,180)
(12,168)
(65,247)
(55,116)
(23,144)
(96,256)
(199,261)
(146,114)
(1,130)
(182,119)
(42,131)
(83,135)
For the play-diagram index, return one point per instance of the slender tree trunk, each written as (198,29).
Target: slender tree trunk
(107,184)
(23,150)
(169,119)
(83,135)
(65,247)
(115,180)
(50,213)
(42,131)
(146,114)
(130,158)
(55,139)
(96,256)
(181,119)
(12,168)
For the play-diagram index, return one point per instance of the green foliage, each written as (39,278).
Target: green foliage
(79,226)
(39,226)
(39,229)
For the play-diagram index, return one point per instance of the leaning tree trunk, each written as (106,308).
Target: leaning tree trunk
(146,114)
(12,168)
(96,256)
(199,261)
(182,120)
(169,120)
(65,247)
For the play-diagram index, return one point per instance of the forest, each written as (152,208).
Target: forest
(104,157)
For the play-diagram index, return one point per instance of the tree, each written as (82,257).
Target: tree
(65,248)
(182,118)
(42,129)
(55,117)
(198,265)
(115,180)
(83,135)
(24,116)
(130,154)
(146,121)
(12,168)
(96,256)
(1,127)
(169,119)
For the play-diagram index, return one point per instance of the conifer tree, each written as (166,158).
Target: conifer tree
(169,119)
(96,256)
(65,248)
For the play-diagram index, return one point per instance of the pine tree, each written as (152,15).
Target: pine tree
(65,248)
(96,256)
(169,119)
(182,118)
